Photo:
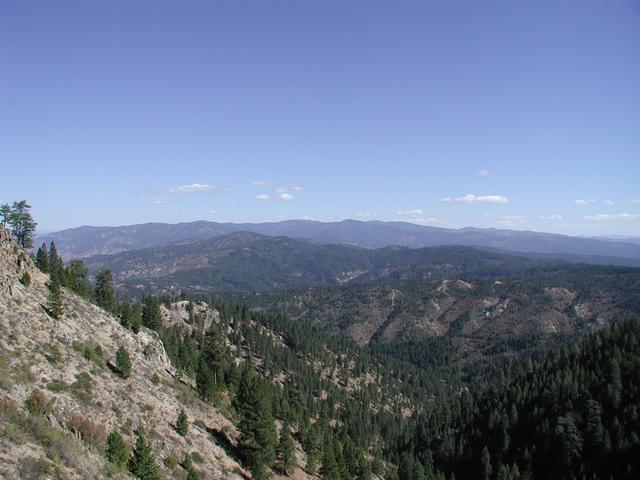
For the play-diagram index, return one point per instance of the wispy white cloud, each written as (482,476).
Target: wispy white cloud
(297,188)
(616,216)
(417,215)
(551,217)
(484,172)
(285,197)
(261,183)
(508,222)
(590,201)
(608,202)
(470,199)
(635,200)
(194,187)
(414,212)
(164,201)
(364,215)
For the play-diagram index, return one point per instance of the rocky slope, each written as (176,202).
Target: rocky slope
(66,362)
(477,318)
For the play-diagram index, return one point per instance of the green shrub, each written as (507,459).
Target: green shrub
(53,354)
(25,279)
(171,461)
(90,351)
(82,387)
(37,403)
(200,423)
(57,385)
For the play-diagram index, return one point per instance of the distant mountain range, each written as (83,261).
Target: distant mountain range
(88,241)
(250,262)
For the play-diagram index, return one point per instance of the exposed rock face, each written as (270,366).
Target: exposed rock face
(178,314)
(67,359)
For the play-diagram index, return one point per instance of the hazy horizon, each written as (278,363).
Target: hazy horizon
(41,233)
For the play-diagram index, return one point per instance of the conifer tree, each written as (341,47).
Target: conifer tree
(42,259)
(212,363)
(285,452)
(182,423)
(406,467)
(105,292)
(570,438)
(485,464)
(141,464)
(54,300)
(77,275)
(313,447)
(5,214)
(151,317)
(329,470)
(117,450)
(257,440)
(192,474)
(123,362)
(55,264)
(594,428)
(22,224)
(356,463)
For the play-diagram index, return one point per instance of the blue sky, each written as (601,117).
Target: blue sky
(448,113)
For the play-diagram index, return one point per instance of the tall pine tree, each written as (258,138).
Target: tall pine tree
(42,259)
(22,224)
(54,300)
(105,292)
(212,364)
(117,451)
(5,214)
(151,317)
(55,264)
(257,440)
(285,452)
(141,464)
